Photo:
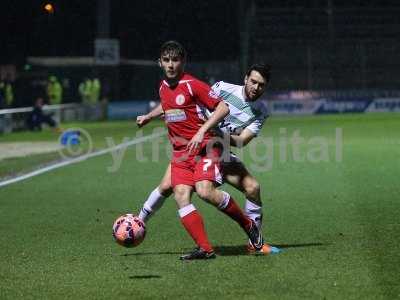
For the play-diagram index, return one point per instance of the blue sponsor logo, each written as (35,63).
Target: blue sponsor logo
(175,115)
(330,106)
(389,105)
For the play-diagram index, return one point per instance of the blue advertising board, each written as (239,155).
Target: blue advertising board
(331,106)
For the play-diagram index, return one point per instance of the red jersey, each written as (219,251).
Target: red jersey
(183,107)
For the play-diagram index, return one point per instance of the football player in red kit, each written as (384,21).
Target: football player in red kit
(196,157)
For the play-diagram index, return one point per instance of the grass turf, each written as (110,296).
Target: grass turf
(336,221)
(98,132)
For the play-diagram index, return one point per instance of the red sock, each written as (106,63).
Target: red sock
(194,225)
(235,212)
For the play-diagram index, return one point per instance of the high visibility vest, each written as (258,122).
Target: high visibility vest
(85,90)
(95,91)
(2,97)
(54,92)
(8,94)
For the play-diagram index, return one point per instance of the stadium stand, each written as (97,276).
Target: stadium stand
(328,44)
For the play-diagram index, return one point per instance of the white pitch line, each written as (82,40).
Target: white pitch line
(81,158)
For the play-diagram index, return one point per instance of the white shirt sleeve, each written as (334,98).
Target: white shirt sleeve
(217,87)
(256,126)
(258,123)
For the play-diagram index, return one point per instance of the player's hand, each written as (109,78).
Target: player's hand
(195,142)
(142,120)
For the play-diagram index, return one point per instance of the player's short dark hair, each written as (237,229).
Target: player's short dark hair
(263,69)
(173,48)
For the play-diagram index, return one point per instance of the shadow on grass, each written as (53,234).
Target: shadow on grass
(235,250)
(284,246)
(152,253)
(144,276)
(232,250)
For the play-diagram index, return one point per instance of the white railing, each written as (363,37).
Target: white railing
(10,111)
(14,118)
(45,108)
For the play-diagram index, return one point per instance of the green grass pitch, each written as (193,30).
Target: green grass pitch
(334,209)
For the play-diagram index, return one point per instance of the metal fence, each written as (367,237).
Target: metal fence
(328,44)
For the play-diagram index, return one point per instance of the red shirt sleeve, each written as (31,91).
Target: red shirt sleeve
(203,94)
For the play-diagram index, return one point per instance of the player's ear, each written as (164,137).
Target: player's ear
(159,62)
(245,79)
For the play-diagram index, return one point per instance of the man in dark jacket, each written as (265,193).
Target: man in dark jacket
(37,117)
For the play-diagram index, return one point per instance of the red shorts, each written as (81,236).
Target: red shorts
(190,168)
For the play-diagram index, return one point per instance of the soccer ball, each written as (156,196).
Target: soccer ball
(129,230)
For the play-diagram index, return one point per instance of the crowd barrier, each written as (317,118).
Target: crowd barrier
(15,118)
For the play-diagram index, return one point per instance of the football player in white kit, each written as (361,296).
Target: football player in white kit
(243,123)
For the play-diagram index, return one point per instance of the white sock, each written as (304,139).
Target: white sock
(254,212)
(151,205)
(184,211)
(225,201)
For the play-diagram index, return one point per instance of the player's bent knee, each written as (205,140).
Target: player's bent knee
(252,188)
(204,193)
(182,196)
(180,193)
(165,189)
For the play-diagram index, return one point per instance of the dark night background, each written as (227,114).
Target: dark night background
(311,45)
(209,29)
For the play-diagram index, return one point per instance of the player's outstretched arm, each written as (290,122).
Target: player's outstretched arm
(242,139)
(144,119)
(221,111)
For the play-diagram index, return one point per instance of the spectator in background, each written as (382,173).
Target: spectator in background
(2,97)
(54,90)
(85,90)
(67,92)
(37,117)
(90,89)
(6,94)
(95,91)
